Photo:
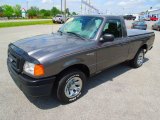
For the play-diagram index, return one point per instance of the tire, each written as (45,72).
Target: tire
(138,60)
(70,86)
(61,22)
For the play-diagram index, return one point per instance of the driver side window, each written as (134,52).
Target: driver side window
(113,27)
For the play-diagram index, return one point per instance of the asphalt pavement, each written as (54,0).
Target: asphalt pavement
(119,93)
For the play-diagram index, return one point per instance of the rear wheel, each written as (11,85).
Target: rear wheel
(138,60)
(70,86)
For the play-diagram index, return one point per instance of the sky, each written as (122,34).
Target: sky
(115,7)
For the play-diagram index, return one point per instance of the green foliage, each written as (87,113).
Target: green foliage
(25,23)
(33,12)
(8,11)
(74,13)
(55,11)
(67,10)
(17,10)
(1,11)
(45,13)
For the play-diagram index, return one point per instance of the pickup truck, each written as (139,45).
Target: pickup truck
(82,47)
(59,19)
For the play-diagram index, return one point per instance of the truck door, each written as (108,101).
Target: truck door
(112,53)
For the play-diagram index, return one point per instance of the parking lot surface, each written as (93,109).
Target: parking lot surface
(119,93)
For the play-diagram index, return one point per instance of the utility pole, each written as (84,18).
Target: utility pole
(61,6)
(27,4)
(85,9)
(53,2)
(89,2)
(81,6)
(27,8)
(89,6)
(65,9)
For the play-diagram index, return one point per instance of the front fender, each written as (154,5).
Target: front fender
(55,67)
(72,62)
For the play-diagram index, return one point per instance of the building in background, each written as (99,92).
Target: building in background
(24,13)
(154,14)
(151,15)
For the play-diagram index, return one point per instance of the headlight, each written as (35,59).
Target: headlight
(33,69)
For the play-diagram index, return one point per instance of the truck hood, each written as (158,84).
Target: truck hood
(55,44)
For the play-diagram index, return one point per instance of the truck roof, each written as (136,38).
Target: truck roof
(104,16)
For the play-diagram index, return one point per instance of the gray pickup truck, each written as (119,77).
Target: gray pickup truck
(82,47)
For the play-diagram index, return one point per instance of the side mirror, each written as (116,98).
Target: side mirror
(107,38)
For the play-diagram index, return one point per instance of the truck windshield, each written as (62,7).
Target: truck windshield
(84,26)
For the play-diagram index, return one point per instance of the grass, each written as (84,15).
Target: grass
(25,23)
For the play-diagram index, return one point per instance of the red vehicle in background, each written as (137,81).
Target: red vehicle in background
(154,18)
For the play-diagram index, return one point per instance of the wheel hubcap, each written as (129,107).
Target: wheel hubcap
(140,59)
(73,87)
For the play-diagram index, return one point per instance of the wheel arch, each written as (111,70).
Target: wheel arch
(84,68)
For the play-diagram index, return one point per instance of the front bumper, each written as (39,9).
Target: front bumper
(30,86)
(57,20)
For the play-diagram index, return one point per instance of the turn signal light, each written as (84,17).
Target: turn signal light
(38,70)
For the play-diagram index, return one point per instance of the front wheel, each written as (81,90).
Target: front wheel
(62,21)
(138,60)
(70,86)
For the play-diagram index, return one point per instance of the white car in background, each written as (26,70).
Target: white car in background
(59,19)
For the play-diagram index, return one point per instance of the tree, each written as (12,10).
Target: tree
(55,11)
(8,11)
(17,10)
(68,12)
(33,12)
(1,11)
(45,13)
(74,13)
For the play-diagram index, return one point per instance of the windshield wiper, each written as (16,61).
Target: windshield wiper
(77,35)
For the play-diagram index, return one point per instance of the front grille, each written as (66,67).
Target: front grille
(15,60)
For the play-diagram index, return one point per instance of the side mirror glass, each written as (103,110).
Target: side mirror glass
(107,38)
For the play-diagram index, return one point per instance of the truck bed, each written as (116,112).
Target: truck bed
(135,32)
